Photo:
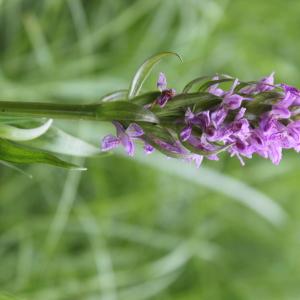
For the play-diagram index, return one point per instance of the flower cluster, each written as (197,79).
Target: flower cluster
(244,119)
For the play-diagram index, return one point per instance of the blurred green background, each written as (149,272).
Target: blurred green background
(148,227)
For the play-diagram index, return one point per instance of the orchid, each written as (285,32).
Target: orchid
(212,114)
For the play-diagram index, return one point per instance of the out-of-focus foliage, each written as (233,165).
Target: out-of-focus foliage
(146,228)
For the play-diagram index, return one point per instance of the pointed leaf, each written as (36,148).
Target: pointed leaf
(190,85)
(58,141)
(19,134)
(15,168)
(17,153)
(144,71)
(115,96)
(181,102)
(146,98)
(210,83)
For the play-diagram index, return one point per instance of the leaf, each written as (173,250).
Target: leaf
(58,141)
(144,71)
(243,84)
(124,111)
(19,134)
(8,119)
(188,87)
(16,153)
(15,168)
(115,96)
(210,83)
(146,98)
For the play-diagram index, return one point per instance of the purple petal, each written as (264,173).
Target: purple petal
(119,127)
(128,144)
(240,126)
(189,115)
(165,96)
(202,119)
(233,101)
(294,92)
(240,145)
(213,157)
(288,100)
(148,148)
(162,100)
(291,89)
(240,114)
(214,89)
(280,112)
(174,148)
(161,82)
(257,139)
(218,117)
(266,83)
(186,133)
(266,123)
(275,153)
(196,158)
(109,142)
(250,89)
(134,130)
(234,84)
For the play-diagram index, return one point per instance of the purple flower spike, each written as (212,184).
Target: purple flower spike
(265,124)
(161,82)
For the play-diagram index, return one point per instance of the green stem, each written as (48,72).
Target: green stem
(50,110)
(105,111)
